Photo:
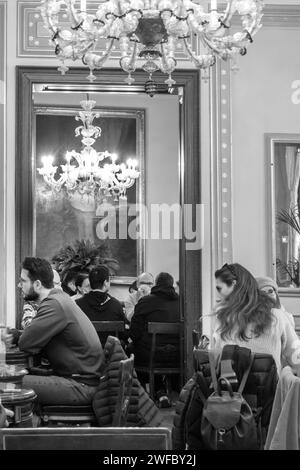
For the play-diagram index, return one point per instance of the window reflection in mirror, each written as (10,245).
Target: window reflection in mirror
(285,165)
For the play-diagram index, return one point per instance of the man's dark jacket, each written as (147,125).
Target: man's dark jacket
(66,337)
(100,306)
(162,305)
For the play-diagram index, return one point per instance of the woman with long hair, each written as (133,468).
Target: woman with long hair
(247,317)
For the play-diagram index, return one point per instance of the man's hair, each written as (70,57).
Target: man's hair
(98,275)
(164,279)
(39,270)
(69,275)
(80,278)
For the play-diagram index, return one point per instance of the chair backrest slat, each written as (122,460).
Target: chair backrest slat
(163,328)
(74,438)
(102,326)
(125,381)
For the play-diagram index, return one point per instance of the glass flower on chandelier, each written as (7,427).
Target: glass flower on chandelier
(84,172)
(149,32)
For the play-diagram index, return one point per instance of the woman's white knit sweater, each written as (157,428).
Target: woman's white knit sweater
(280,340)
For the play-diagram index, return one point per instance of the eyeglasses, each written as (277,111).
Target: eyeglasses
(269,291)
(230,268)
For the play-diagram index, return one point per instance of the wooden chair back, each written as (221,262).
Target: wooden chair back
(155,329)
(113,327)
(125,379)
(79,438)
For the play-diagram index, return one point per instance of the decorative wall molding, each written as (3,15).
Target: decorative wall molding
(281,16)
(284,16)
(3,22)
(221,165)
(34,41)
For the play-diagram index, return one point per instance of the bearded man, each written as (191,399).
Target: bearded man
(63,335)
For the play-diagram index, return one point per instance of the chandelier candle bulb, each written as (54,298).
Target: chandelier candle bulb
(48,162)
(213,5)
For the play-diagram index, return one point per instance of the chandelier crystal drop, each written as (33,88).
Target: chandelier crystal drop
(149,32)
(84,173)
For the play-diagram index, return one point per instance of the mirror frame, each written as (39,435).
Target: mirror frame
(112,80)
(270,140)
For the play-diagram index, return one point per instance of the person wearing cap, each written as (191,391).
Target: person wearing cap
(270,287)
(144,283)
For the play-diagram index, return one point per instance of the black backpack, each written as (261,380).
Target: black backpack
(259,393)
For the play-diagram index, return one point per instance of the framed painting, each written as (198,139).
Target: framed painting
(61,219)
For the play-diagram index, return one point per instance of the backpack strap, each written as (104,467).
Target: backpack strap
(213,370)
(246,374)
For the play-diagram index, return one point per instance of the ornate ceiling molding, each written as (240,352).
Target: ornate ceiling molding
(287,16)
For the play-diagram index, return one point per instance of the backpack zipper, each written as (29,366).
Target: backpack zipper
(220,434)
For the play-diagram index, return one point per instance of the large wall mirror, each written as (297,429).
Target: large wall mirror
(283,153)
(162,133)
(64,218)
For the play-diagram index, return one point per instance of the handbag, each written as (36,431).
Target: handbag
(227,421)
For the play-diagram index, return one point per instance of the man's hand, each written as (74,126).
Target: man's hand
(6,337)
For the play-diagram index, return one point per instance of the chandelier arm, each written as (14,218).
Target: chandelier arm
(94,61)
(212,46)
(168,63)
(49,22)
(128,62)
(229,12)
(76,21)
(202,60)
(128,183)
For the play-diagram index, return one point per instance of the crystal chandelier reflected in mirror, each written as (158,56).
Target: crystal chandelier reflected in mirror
(86,173)
(149,32)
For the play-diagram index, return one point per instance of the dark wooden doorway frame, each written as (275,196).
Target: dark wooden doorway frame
(188,84)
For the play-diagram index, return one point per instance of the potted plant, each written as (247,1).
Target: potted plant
(82,256)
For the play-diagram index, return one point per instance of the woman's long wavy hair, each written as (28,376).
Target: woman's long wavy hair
(246,305)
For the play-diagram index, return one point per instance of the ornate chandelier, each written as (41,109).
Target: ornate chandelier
(86,176)
(149,32)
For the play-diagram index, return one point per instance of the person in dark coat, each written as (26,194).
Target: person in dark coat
(97,304)
(162,305)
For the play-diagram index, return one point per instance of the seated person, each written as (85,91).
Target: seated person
(82,285)
(30,308)
(68,282)
(63,335)
(144,283)
(97,304)
(270,287)
(162,305)
(132,288)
